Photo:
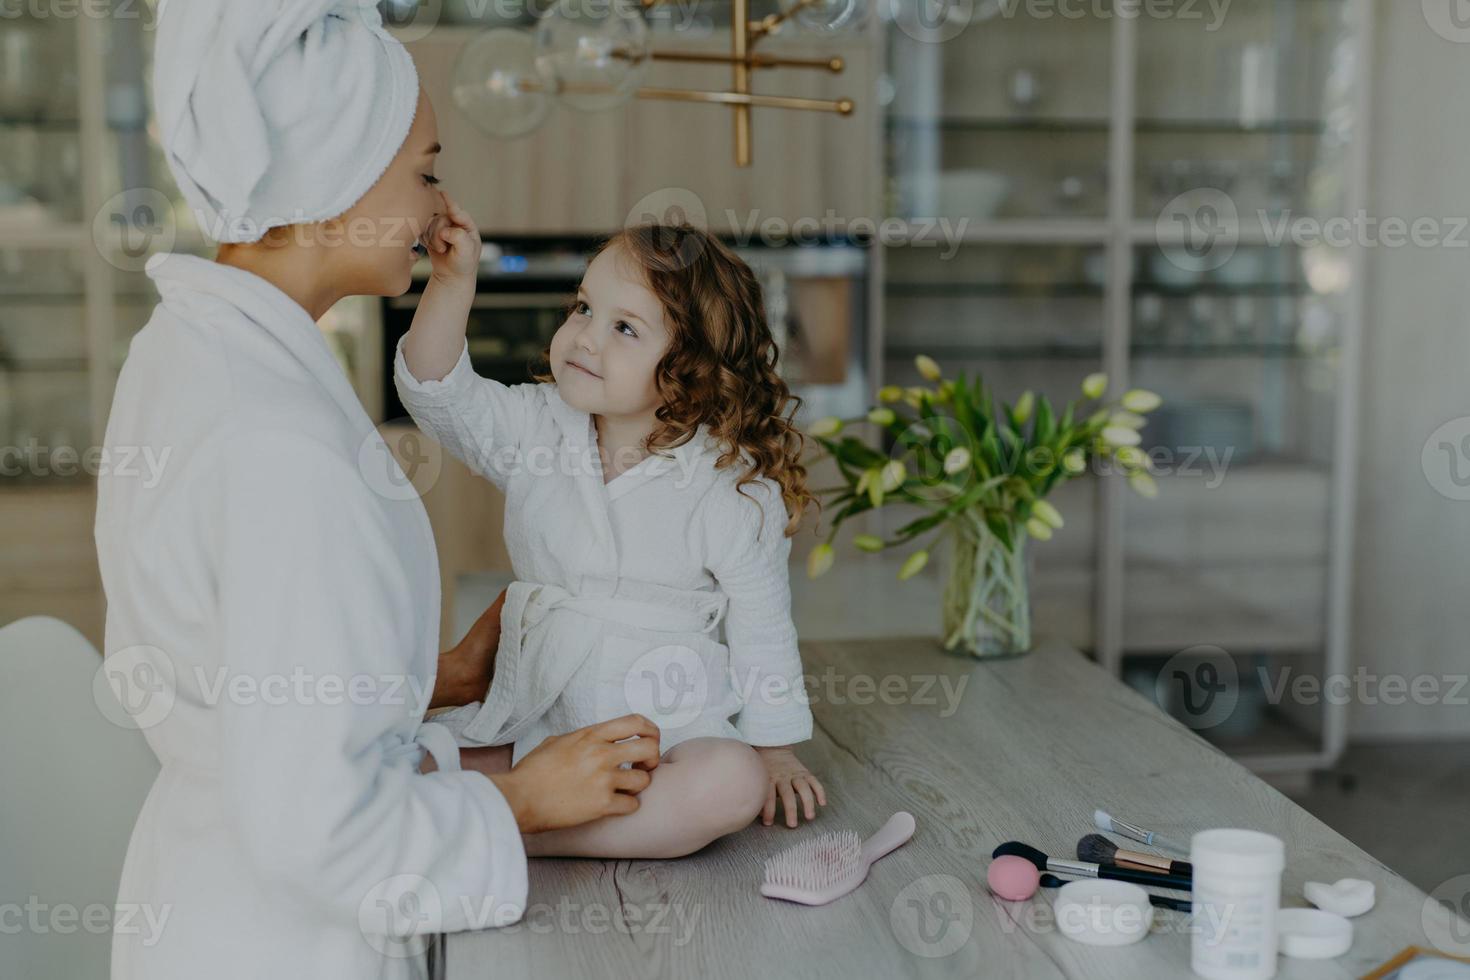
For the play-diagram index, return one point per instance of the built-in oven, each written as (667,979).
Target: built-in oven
(815,296)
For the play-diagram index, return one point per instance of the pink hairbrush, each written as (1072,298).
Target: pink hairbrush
(828,866)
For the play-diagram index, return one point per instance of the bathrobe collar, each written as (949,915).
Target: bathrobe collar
(193,286)
(192,282)
(677,463)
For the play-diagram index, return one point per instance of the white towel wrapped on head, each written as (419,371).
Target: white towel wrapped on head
(278,112)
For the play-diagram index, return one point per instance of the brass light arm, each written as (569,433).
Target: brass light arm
(772,22)
(843,107)
(833,64)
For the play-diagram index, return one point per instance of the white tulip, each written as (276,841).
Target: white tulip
(1038,529)
(868,542)
(881,416)
(1139,400)
(1048,514)
(957,460)
(911,567)
(1132,457)
(1094,385)
(1116,435)
(1143,484)
(888,394)
(1128,420)
(820,560)
(1023,408)
(893,476)
(1075,461)
(928,368)
(829,426)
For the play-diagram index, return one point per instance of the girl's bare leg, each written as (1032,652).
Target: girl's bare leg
(701,790)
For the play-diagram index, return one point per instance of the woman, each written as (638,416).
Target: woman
(286,613)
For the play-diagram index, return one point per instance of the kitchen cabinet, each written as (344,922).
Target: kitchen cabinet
(1136,194)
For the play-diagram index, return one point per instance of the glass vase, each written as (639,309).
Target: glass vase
(987,594)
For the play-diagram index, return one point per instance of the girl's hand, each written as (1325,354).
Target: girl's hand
(454,244)
(789,779)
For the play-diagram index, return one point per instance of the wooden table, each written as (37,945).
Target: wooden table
(1026,751)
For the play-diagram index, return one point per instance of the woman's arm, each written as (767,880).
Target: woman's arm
(465,671)
(322,787)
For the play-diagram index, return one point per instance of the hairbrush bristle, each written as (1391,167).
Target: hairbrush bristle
(1096,849)
(816,864)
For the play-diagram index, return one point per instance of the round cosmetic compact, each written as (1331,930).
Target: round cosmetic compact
(1103,913)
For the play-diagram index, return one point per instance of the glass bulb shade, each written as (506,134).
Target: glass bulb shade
(501,85)
(832,16)
(598,50)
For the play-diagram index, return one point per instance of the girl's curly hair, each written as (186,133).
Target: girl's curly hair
(720,368)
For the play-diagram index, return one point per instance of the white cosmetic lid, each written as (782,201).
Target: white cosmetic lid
(1311,934)
(1236,852)
(1100,912)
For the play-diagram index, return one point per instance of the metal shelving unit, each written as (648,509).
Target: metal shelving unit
(1060,274)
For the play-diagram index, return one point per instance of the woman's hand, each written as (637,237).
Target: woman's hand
(568,780)
(466,670)
(454,244)
(789,779)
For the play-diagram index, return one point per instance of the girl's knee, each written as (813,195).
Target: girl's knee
(730,782)
(742,784)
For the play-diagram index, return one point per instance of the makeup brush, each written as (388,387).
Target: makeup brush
(1099,850)
(1161,901)
(1105,821)
(1084,869)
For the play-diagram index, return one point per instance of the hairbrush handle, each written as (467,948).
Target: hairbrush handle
(898,829)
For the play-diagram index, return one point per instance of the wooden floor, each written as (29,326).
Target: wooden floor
(1022,749)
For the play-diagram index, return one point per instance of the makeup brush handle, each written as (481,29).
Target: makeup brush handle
(1159,865)
(1174,904)
(1145,877)
(1159,901)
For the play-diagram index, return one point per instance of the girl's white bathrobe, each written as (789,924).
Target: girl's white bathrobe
(273,602)
(621,588)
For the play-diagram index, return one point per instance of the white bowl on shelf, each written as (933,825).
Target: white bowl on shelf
(973,194)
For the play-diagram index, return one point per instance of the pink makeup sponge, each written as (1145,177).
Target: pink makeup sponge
(1012,878)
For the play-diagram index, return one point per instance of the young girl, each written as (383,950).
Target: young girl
(652,482)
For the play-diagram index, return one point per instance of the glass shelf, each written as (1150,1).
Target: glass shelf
(968,352)
(979,126)
(40,143)
(1267,119)
(45,394)
(1003,121)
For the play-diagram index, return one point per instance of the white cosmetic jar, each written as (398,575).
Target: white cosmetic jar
(1103,913)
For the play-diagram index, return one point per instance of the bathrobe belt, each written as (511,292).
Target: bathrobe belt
(539,652)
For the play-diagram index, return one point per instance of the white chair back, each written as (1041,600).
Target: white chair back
(71,785)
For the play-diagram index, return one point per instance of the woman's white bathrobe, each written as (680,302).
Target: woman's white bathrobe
(274,607)
(621,588)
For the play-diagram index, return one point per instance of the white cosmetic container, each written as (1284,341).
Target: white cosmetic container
(1237,892)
